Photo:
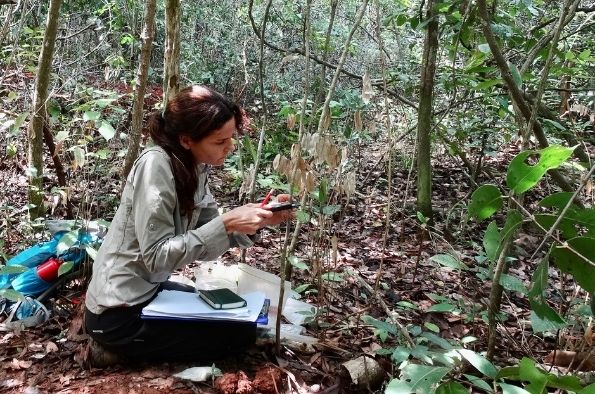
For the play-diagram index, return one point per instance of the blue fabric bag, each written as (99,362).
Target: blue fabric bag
(31,258)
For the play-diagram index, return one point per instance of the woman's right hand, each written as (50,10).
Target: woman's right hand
(247,219)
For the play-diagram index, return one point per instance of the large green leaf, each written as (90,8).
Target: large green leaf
(67,241)
(106,130)
(12,295)
(485,201)
(12,269)
(512,283)
(544,318)
(452,388)
(447,260)
(523,176)
(529,372)
(422,378)
(397,386)
(539,279)
(481,363)
(569,261)
(491,241)
(510,389)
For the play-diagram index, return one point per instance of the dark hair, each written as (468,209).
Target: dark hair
(195,111)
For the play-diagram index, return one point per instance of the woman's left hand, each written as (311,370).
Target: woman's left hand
(280,216)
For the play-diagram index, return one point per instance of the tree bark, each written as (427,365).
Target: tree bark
(171,69)
(141,83)
(40,95)
(424,114)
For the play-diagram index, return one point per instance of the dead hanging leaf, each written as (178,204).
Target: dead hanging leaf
(291,121)
(295,151)
(357,120)
(589,186)
(348,185)
(276,162)
(310,183)
(367,91)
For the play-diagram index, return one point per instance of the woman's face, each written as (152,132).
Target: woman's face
(214,148)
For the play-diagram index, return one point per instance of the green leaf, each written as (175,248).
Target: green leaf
(400,354)
(529,372)
(451,388)
(481,363)
(13,269)
(556,200)
(332,277)
(479,383)
(12,295)
(435,339)
(91,115)
(566,382)
(510,389)
(508,372)
(522,176)
(447,260)
(491,241)
(300,289)
(106,130)
(380,325)
(442,307)
(487,84)
(590,389)
(65,267)
(303,216)
(569,261)
(432,327)
(540,279)
(397,386)
(293,260)
(67,241)
(485,201)
(422,377)
(516,75)
(545,319)
(512,283)
(323,192)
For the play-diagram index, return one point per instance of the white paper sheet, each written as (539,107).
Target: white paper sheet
(185,305)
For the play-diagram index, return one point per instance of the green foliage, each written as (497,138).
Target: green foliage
(522,176)
(485,201)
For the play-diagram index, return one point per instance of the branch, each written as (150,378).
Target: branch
(515,93)
(75,33)
(298,51)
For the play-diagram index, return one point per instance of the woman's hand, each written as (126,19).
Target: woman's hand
(280,216)
(247,219)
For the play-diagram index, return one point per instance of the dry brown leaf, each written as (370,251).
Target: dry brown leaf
(20,364)
(569,359)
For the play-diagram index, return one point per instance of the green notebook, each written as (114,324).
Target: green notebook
(222,298)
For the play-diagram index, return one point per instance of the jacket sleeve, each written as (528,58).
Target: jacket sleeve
(211,212)
(154,202)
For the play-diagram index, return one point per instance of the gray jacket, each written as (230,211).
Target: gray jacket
(149,239)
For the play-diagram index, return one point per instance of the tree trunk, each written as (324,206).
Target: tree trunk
(40,95)
(424,115)
(141,83)
(171,69)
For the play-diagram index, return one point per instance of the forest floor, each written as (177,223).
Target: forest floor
(44,359)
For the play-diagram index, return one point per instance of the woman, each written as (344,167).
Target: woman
(168,218)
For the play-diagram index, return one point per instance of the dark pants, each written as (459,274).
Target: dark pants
(122,331)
